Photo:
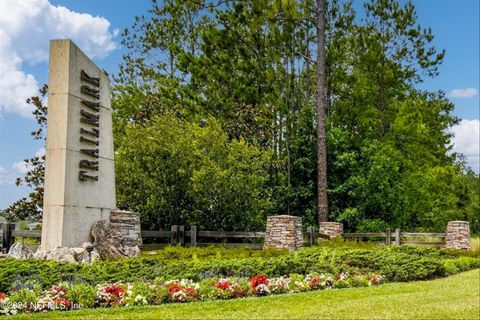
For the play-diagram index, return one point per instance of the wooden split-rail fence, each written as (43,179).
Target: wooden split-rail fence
(180,235)
(398,237)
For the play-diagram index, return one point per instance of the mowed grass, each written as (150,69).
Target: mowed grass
(456,297)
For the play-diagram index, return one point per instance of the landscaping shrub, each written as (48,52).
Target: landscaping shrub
(396,263)
(460,264)
(82,294)
(404,263)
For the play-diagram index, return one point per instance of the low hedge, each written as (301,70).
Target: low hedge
(402,263)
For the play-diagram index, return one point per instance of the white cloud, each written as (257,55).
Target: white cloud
(463,93)
(6,178)
(15,86)
(467,141)
(26,28)
(40,152)
(21,167)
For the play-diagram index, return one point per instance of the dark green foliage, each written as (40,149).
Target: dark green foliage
(399,263)
(243,70)
(181,172)
(15,274)
(248,64)
(405,263)
(460,264)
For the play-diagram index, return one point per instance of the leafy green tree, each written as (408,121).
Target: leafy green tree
(251,66)
(248,69)
(182,172)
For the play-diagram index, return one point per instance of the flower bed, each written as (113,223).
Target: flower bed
(64,297)
(396,263)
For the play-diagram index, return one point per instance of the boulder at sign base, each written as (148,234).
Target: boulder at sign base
(109,243)
(20,251)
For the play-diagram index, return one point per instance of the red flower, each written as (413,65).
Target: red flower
(375,279)
(116,293)
(315,283)
(62,301)
(2,296)
(224,285)
(174,287)
(115,290)
(258,280)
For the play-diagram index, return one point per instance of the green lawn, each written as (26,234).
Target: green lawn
(456,297)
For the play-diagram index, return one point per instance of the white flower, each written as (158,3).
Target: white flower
(343,275)
(179,296)
(279,284)
(129,289)
(328,282)
(140,300)
(262,290)
(300,284)
(169,282)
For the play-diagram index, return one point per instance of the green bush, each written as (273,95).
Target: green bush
(24,298)
(217,252)
(396,263)
(405,263)
(193,174)
(27,273)
(140,294)
(460,264)
(83,295)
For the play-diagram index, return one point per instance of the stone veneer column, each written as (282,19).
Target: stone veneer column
(458,235)
(284,232)
(128,224)
(333,229)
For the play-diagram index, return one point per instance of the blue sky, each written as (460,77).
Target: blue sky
(26,27)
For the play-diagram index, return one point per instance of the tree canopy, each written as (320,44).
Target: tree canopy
(215,117)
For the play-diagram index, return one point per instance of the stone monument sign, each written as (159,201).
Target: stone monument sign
(79,167)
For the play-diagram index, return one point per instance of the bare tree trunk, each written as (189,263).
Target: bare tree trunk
(322,201)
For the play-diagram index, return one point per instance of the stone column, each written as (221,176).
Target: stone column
(458,235)
(284,232)
(128,224)
(79,169)
(333,229)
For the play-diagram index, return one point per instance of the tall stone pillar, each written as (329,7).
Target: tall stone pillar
(79,168)
(458,235)
(284,232)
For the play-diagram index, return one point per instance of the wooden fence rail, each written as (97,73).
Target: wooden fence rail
(27,233)
(396,237)
(177,235)
(231,234)
(365,235)
(155,234)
